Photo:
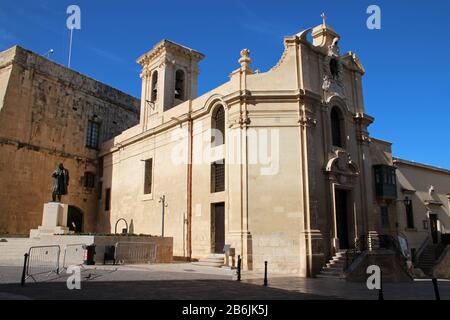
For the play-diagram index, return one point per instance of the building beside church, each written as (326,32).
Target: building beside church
(50,114)
(423,205)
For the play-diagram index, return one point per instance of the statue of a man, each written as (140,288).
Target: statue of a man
(60,182)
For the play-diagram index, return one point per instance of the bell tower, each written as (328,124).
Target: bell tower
(169,77)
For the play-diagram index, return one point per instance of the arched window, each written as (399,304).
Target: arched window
(154,95)
(218,127)
(337,127)
(179,85)
(334,68)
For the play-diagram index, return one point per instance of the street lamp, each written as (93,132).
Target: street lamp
(162,200)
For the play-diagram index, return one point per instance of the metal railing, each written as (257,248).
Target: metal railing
(135,252)
(41,260)
(73,255)
(360,245)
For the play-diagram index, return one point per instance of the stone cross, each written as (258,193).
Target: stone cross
(324,18)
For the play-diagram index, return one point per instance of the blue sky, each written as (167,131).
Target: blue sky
(406,86)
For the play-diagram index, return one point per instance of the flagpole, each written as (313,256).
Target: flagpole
(70,47)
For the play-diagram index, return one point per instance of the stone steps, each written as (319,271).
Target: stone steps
(331,276)
(334,269)
(427,259)
(213,260)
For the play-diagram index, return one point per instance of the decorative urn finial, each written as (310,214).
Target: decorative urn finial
(245,58)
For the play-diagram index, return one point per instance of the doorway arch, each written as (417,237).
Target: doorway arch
(75,219)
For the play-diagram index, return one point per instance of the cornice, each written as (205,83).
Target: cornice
(234,97)
(166,46)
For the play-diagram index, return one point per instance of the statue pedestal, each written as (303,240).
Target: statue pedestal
(54,220)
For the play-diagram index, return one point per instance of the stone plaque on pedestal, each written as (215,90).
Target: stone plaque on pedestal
(54,220)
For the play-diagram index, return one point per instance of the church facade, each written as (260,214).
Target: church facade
(279,165)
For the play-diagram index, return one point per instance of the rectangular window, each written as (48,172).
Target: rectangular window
(384,217)
(409,214)
(108,199)
(218,176)
(148,176)
(92,134)
(89,180)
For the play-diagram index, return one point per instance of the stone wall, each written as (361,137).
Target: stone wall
(389,263)
(13,249)
(44,111)
(442,267)
(164,246)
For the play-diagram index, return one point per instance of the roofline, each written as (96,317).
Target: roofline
(163,43)
(381,141)
(15,59)
(419,165)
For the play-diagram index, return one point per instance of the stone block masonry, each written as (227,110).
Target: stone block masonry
(45,109)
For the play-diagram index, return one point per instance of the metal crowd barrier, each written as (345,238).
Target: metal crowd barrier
(41,260)
(73,255)
(135,252)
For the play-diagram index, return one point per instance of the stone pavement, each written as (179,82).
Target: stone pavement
(164,281)
(185,281)
(341,289)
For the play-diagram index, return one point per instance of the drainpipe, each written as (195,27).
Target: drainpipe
(189,189)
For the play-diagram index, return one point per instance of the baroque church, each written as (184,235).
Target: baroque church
(277,165)
(273,166)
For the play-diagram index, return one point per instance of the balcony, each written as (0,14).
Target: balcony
(385,182)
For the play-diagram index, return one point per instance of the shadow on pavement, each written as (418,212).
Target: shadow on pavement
(154,290)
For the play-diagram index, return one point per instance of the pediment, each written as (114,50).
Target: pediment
(340,162)
(352,62)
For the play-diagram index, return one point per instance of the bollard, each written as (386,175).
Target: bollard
(239,268)
(380,292)
(436,289)
(25,259)
(265,273)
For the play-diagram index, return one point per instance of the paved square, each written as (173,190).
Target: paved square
(183,281)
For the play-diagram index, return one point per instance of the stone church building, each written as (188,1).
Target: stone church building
(279,164)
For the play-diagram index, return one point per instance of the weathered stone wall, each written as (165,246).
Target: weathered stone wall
(44,111)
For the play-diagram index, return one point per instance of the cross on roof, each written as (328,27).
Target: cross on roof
(324,18)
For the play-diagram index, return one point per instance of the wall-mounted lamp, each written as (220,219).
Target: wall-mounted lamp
(425,224)
(407,202)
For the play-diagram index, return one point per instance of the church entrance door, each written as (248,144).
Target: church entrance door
(218,227)
(341,198)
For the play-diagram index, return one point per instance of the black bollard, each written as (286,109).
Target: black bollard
(436,289)
(380,291)
(239,268)
(24,270)
(265,273)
